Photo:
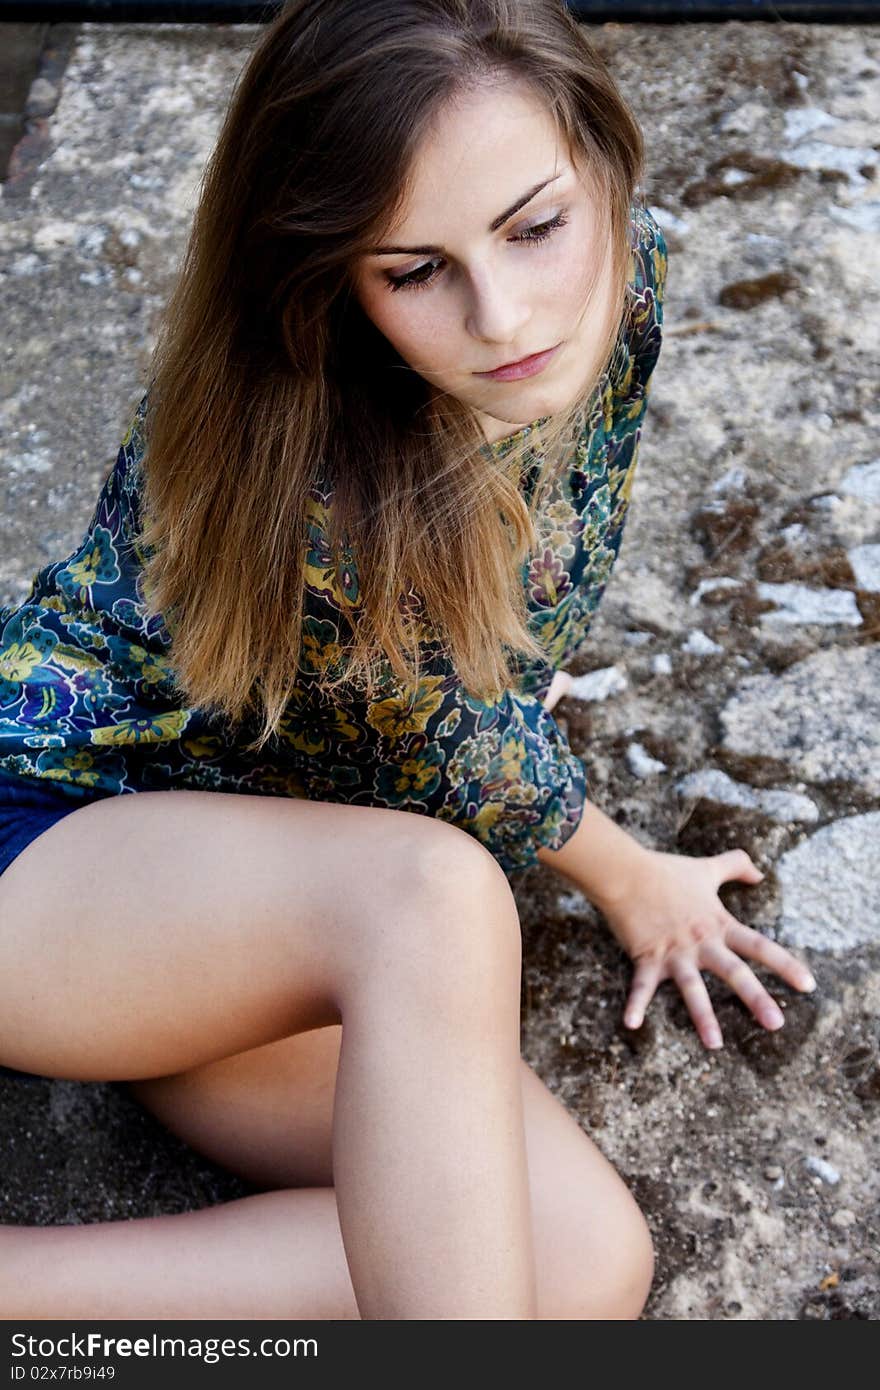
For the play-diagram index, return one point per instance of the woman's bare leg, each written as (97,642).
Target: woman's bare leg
(147,934)
(263,1256)
(592,1246)
(267,1115)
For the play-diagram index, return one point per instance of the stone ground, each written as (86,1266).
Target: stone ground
(740,697)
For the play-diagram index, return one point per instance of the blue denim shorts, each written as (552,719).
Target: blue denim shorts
(27,808)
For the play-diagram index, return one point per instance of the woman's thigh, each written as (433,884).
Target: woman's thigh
(146,933)
(267,1115)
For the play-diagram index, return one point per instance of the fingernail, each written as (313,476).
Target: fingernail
(774,1018)
(631,1020)
(809,984)
(713,1038)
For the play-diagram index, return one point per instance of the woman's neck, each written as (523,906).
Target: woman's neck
(498,430)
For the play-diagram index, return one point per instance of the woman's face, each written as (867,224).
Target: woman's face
(492,262)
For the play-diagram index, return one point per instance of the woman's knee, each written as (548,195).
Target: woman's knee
(594,1251)
(632,1274)
(452,861)
(613,1283)
(451,920)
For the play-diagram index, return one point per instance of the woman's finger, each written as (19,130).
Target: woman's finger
(735,863)
(647,977)
(699,1005)
(734,972)
(752,944)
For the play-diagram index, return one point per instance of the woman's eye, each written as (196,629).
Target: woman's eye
(531,236)
(543,229)
(410,281)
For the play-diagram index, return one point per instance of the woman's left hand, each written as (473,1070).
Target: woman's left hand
(671,922)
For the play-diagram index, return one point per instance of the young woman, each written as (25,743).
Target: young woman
(335,574)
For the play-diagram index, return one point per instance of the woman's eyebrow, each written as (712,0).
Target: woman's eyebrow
(498,222)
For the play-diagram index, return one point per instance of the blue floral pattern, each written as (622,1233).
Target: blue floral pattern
(87,694)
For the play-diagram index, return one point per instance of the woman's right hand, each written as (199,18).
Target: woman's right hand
(672,924)
(559,686)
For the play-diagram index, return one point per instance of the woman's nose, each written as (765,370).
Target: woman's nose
(498,312)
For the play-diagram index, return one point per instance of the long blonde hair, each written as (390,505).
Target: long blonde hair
(268,379)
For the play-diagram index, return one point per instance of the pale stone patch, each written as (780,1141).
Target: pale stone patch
(803,120)
(865,562)
(830,887)
(821,716)
(849,160)
(798,603)
(698,644)
(779,805)
(863,480)
(598,685)
(640,762)
(862,217)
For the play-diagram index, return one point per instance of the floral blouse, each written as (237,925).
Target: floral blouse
(87,699)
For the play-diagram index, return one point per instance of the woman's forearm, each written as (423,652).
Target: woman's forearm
(599,857)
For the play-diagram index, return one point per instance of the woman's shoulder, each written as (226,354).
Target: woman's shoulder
(642,327)
(133,446)
(648,258)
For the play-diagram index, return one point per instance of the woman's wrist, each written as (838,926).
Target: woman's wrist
(600,858)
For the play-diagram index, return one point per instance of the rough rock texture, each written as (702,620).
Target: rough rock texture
(756,1166)
(715,785)
(865,562)
(797,603)
(822,715)
(863,480)
(598,685)
(831,888)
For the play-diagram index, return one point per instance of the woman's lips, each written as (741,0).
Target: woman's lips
(527,366)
